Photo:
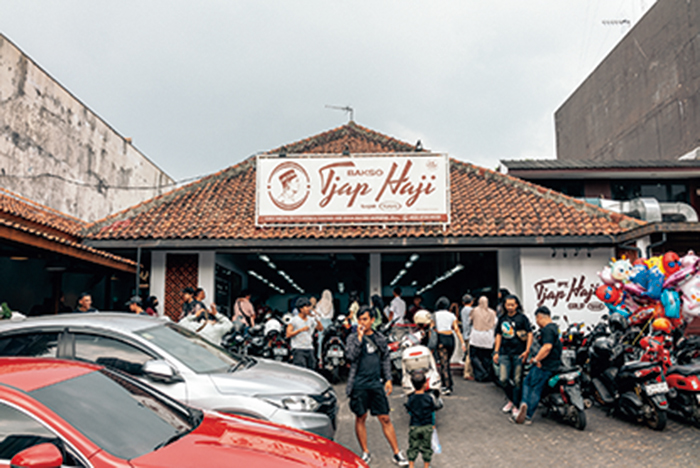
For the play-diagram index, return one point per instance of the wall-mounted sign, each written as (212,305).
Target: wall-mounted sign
(564,284)
(366,189)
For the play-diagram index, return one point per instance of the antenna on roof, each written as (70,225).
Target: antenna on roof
(349,110)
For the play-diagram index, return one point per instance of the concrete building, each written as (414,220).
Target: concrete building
(643,101)
(57,152)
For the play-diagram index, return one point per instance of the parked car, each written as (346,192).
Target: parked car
(57,413)
(180,364)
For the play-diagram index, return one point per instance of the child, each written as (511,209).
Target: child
(421,408)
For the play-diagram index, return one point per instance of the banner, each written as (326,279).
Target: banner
(364,189)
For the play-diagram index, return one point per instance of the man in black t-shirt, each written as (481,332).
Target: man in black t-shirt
(369,382)
(512,347)
(544,365)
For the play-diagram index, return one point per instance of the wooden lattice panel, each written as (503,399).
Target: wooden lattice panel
(181,271)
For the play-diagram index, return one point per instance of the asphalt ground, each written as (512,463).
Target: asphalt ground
(475,433)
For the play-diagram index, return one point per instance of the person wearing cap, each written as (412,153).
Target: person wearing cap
(84,304)
(300,332)
(544,365)
(135,305)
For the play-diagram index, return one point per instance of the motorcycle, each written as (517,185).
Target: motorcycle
(683,380)
(333,350)
(635,390)
(277,347)
(418,358)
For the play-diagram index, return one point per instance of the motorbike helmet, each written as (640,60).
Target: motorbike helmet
(618,323)
(272,326)
(662,324)
(602,348)
(422,317)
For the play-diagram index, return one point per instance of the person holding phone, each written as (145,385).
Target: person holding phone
(369,382)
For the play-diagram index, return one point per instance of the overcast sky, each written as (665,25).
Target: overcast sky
(201,85)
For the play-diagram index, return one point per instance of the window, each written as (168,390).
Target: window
(18,431)
(119,415)
(110,352)
(30,344)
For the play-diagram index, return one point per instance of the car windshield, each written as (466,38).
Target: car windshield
(119,415)
(191,349)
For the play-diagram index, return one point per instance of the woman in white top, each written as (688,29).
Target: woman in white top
(324,313)
(446,324)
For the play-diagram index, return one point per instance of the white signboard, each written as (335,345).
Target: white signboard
(366,189)
(566,285)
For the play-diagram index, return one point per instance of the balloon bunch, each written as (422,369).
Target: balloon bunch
(663,287)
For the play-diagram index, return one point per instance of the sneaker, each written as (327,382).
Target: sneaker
(366,457)
(515,412)
(509,407)
(522,413)
(399,459)
(447,391)
(528,421)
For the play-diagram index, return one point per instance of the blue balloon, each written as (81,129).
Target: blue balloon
(672,303)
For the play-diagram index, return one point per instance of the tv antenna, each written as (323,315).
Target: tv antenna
(347,109)
(623,23)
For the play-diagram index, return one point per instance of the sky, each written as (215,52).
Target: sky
(201,85)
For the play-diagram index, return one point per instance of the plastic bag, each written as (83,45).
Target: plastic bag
(435,442)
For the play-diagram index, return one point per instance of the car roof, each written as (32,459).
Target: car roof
(29,374)
(116,321)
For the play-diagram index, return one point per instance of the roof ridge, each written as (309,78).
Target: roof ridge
(351,126)
(623,220)
(145,205)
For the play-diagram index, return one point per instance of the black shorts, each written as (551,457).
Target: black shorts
(372,399)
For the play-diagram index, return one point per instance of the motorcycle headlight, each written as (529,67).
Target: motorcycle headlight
(293,402)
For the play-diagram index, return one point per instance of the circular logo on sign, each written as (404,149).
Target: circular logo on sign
(288,186)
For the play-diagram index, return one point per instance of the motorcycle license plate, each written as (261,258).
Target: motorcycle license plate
(653,389)
(280,351)
(335,353)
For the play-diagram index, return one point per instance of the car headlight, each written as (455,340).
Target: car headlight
(293,402)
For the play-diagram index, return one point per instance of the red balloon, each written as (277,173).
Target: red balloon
(672,263)
(608,294)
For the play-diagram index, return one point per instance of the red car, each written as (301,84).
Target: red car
(64,413)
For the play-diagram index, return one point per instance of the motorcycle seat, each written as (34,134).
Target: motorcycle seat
(637,365)
(687,371)
(565,369)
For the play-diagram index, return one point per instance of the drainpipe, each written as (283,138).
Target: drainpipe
(138,271)
(629,245)
(656,244)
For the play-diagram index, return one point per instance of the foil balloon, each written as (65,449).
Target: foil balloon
(643,314)
(657,262)
(690,297)
(620,269)
(672,263)
(672,303)
(609,294)
(606,276)
(689,260)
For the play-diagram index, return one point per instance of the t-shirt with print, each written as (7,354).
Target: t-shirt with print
(369,367)
(303,340)
(550,334)
(513,331)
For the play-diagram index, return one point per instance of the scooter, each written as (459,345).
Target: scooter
(635,390)
(683,380)
(333,349)
(562,399)
(277,348)
(418,358)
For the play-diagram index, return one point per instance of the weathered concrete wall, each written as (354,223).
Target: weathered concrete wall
(48,137)
(643,100)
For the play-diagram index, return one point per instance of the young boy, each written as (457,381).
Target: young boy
(421,408)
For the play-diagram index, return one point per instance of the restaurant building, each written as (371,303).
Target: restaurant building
(351,209)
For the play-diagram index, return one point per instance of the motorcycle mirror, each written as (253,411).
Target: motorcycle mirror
(555,318)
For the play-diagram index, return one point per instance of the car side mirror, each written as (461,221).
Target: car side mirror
(160,371)
(39,456)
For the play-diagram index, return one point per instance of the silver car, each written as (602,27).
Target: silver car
(180,364)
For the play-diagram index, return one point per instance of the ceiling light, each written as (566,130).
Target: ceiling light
(264,258)
(414,257)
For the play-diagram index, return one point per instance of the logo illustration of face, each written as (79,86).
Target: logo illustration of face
(620,270)
(288,186)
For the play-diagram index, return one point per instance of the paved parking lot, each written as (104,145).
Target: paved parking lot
(474,432)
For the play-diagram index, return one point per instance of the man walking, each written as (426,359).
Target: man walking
(369,382)
(544,365)
(85,304)
(513,341)
(397,308)
(300,331)
(464,315)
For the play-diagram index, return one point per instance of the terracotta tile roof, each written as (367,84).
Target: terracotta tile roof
(15,206)
(484,203)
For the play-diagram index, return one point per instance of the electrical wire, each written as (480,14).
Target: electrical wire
(99,185)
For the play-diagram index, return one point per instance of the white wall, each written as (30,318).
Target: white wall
(565,285)
(509,274)
(157,283)
(46,130)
